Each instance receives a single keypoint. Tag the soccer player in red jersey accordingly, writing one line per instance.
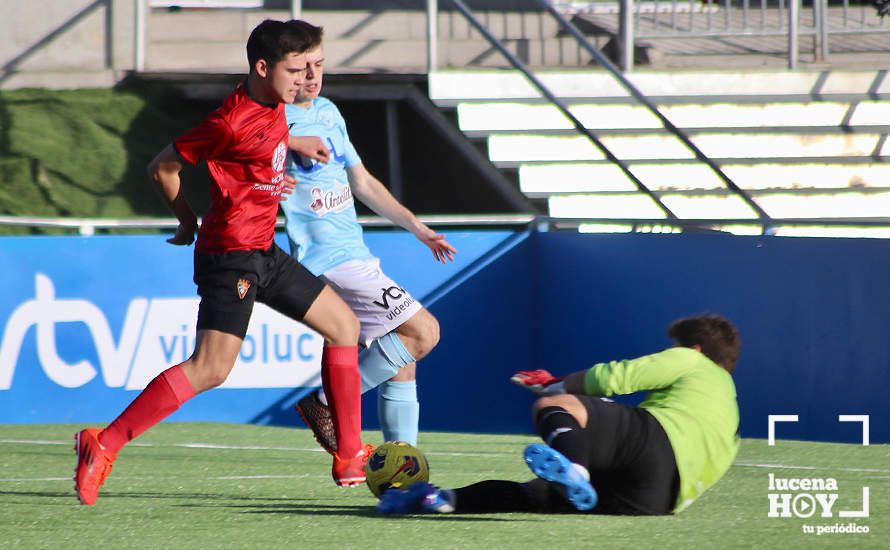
(237, 262)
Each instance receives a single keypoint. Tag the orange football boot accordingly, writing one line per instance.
(93, 465)
(350, 472)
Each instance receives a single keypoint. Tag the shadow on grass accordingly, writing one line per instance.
(39, 494)
(210, 499)
(362, 511)
(255, 505)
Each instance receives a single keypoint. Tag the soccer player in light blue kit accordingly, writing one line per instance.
(325, 236)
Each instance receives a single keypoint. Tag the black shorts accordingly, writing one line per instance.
(230, 282)
(632, 464)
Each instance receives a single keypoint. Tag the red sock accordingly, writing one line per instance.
(342, 386)
(160, 398)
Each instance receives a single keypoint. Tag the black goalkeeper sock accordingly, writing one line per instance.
(495, 496)
(559, 429)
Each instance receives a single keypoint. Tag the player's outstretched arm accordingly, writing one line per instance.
(650, 372)
(543, 383)
(377, 197)
(164, 172)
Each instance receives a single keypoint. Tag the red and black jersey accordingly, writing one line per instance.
(245, 145)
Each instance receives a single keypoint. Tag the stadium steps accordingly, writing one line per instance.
(803, 145)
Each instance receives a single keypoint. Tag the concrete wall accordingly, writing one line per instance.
(81, 43)
(65, 43)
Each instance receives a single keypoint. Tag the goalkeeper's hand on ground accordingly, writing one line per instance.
(883, 7)
(539, 381)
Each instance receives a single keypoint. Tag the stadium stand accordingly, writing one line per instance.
(803, 144)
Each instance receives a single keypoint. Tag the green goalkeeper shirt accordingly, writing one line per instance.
(692, 398)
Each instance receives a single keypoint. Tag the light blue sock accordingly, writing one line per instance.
(382, 360)
(398, 410)
(378, 363)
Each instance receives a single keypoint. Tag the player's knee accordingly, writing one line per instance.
(550, 401)
(216, 377)
(205, 375)
(345, 331)
(406, 374)
(567, 402)
(428, 337)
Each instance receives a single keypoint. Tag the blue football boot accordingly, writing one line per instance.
(419, 498)
(551, 465)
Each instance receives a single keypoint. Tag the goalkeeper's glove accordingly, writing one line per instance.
(540, 381)
(883, 7)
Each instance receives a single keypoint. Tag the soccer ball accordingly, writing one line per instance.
(395, 464)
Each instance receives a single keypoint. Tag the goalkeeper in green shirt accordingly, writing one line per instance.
(608, 458)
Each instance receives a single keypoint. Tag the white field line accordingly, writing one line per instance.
(219, 478)
(230, 447)
(36, 442)
(184, 445)
(201, 446)
(797, 467)
(277, 476)
(19, 479)
(239, 447)
(743, 464)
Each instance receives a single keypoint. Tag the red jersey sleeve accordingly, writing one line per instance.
(206, 141)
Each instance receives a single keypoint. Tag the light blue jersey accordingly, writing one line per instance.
(321, 222)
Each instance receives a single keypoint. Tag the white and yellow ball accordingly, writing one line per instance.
(395, 464)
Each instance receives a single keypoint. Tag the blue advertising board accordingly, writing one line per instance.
(88, 321)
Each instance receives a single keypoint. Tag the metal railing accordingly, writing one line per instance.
(94, 226)
(140, 15)
(745, 20)
(731, 19)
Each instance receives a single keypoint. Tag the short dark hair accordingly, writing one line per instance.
(273, 40)
(717, 337)
(315, 33)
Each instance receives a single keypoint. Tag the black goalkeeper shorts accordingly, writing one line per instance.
(230, 282)
(632, 464)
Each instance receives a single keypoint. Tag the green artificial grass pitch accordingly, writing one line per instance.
(193, 485)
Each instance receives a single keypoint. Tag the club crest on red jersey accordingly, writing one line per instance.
(242, 286)
(279, 156)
